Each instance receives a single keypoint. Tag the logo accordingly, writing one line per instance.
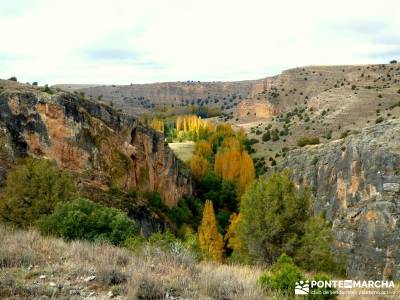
(302, 288)
(334, 287)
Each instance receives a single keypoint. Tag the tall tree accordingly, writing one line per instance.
(210, 240)
(273, 214)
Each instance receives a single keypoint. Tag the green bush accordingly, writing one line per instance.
(32, 189)
(275, 135)
(282, 276)
(84, 219)
(266, 136)
(379, 120)
(307, 141)
(162, 240)
(315, 254)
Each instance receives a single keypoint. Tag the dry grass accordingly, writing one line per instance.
(26, 257)
(184, 150)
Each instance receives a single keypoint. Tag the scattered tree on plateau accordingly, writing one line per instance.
(210, 240)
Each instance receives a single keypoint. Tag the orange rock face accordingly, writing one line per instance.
(256, 109)
(105, 148)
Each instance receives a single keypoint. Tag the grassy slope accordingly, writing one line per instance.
(25, 257)
(183, 150)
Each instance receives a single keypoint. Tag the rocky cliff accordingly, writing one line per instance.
(138, 98)
(253, 110)
(104, 148)
(356, 182)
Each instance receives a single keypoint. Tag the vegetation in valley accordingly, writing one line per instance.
(234, 215)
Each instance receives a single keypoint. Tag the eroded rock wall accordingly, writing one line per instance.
(356, 182)
(106, 148)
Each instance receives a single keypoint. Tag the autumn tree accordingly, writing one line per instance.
(199, 166)
(157, 124)
(203, 148)
(234, 165)
(210, 240)
(192, 127)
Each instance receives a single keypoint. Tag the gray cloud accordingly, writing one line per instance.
(385, 55)
(112, 54)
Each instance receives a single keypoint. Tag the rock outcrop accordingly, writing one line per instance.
(103, 147)
(256, 110)
(356, 182)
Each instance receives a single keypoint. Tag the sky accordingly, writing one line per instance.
(143, 41)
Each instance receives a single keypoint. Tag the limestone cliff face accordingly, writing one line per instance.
(103, 147)
(356, 182)
(256, 110)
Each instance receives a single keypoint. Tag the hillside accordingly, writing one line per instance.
(138, 98)
(324, 102)
(34, 267)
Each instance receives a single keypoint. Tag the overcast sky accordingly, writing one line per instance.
(139, 41)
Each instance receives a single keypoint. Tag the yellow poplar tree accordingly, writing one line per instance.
(203, 148)
(157, 124)
(210, 240)
(234, 165)
(234, 242)
(199, 166)
(247, 172)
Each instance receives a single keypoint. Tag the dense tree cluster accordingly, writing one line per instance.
(33, 189)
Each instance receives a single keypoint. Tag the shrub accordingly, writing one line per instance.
(12, 78)
(33, 189)
(345, 134)
(307, 141)
(266, 136)
(84, 219)
(275, 135)
(47, 89)
(379, 120)
(282, 276)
